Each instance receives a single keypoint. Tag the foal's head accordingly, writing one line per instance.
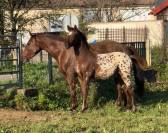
(31, 49)
(75, 37)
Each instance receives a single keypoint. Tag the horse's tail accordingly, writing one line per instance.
(139, 80)
(139, 65)
(142, 63)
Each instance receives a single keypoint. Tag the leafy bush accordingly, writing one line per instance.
(55, 96)
(160, 63)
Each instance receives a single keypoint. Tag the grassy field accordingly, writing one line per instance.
(49, 111)
(107, 119)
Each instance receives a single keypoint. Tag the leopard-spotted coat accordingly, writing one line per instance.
(109, 63)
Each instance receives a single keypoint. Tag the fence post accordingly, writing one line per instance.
(106, 34)
(41, 56)
(50, 75)
(20, 64)
(124, 36)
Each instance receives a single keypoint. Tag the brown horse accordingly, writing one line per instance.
(90, 65)
(55, 45)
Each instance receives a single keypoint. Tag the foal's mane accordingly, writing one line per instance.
(83, 36)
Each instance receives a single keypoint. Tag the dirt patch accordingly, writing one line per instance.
(15, 115)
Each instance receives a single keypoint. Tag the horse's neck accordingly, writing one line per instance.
(54, 48)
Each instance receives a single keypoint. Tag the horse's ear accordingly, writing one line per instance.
(30, 33)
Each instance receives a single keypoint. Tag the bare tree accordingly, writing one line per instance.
(15, 13)
(111, 10)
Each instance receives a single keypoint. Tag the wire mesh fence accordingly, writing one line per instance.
(135, 37)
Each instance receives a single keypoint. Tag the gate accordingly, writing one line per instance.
(135, 37)
(10, 65)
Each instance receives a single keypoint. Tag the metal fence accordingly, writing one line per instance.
(10, 65)
(135, 37)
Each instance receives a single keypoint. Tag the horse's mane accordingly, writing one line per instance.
(52, 35)
(46, 33)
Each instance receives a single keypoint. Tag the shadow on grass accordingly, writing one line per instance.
(105, 92)
(154, 97)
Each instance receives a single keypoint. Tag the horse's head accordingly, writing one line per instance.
(31, 49)
(75, 37)
(150, 75)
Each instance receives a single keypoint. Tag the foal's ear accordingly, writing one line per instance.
(69, 28)
(75, 27)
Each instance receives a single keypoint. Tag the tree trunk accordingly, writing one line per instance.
(1, 21)
(13, 26)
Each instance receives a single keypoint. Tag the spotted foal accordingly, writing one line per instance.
(108, 64)
(101, 66)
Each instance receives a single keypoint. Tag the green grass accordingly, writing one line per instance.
(103, 120)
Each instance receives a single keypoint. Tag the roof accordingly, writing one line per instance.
(162, 6)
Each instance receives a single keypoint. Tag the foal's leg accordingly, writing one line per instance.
(128, 99)
(129, 91)
(72, 87)
(74, 104)
(118, 89)
(119, 95)
(84, 88)
(132, 95)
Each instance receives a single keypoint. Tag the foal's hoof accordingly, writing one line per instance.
(117, 103)
(73, 109)
(128, 107)
(84, 109)
(134, 109)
